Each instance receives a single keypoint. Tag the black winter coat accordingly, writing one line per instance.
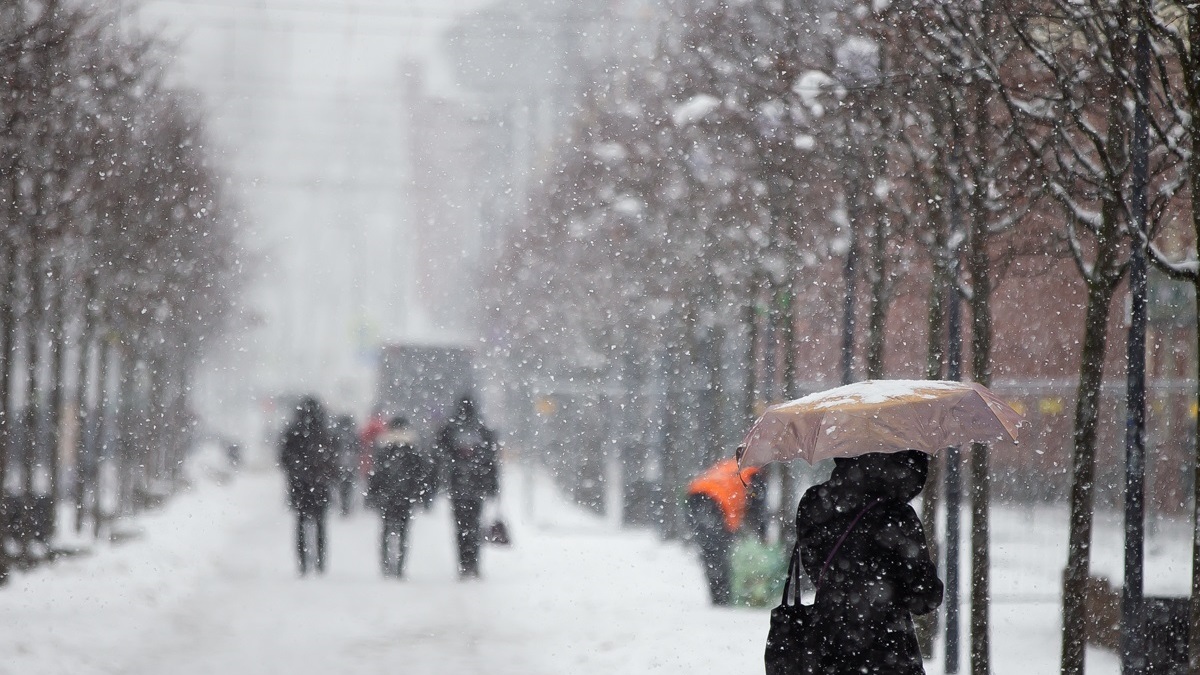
(309, 459)
(467, 456)
(882, 573)
(401, 473)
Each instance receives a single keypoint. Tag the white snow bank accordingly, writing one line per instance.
(84, 615)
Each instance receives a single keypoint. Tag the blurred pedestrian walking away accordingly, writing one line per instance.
(307, 456)
(347, 451)
(721, 502)
(466, 451)
(862, 545)
(401, 476)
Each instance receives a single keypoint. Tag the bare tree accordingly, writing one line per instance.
(1072, 111)
(106, 192)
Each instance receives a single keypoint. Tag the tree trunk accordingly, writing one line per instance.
(714, 396)
(150, 424)
(1102, 284)
(1087, 411)
(1192, 85)
(31, 447)
(105, 431)
(7, 346)
(126, 478)
(672, 443)
(850, 278)
(83, 448)
(877, 274)
(788, 498)
(878, 313)
(927, 624)
(750, 395)
(179, 433)
(57, 321)
(185, 426)
(1194, 604)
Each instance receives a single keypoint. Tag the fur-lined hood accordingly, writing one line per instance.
(403, 436)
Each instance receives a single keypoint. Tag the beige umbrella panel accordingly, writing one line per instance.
(879, 416)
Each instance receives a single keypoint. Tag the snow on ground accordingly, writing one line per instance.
(211, 587)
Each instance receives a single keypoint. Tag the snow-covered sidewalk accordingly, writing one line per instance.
(211, 587)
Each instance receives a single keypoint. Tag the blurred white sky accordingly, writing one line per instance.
(305, 108)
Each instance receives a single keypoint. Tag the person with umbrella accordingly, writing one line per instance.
(857, 537)
(880, 573)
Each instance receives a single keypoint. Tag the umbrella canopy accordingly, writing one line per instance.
(879, 416)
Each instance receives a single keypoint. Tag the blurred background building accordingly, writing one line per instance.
(381, 154)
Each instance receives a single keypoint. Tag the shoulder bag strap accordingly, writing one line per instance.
(792, 577)
(842, 539)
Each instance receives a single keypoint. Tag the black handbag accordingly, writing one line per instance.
(795, 643)
(497, 533)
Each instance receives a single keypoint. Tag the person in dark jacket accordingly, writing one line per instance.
(401, 476)
(307, 457)
(466, 451)
(882, 573)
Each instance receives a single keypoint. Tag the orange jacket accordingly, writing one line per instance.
(727, 487)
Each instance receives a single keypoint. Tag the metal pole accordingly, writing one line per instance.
(953, 481)
(1133, 651)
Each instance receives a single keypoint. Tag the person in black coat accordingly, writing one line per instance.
(466, 451)
(401, 476)
(882, 573)
(308, 458)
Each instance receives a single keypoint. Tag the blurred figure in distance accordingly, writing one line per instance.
(401, 477)
(466, 452)
(307, 457)
(723, 501)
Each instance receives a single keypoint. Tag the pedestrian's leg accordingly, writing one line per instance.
(473, 537)
(723, 574)
(385, 558)
(301, 549)
(709, 558)
(319, 518)
(401, 539)
(460, 532)
(344, 494)
(466, 520)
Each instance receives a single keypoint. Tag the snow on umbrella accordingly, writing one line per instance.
(879, 416)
